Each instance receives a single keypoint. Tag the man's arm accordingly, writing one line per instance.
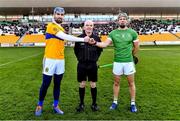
(99, 49)
(67, 37)
(101, 44)
(135, 46)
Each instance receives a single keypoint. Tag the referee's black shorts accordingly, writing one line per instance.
(87, 71)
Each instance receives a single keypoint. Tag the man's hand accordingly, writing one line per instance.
(135, 59)
(86, 39)
(91, 41)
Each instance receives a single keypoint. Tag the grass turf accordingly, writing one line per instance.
(157, 84)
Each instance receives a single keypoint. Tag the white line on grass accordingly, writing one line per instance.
(27, 57)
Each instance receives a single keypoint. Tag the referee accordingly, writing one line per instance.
(87, 56)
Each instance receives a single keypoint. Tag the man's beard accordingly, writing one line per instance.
(59, 20)
(122, 26)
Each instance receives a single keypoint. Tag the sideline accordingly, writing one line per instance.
(24, 58)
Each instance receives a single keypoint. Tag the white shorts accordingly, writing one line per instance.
(126, 68)
(53, 66)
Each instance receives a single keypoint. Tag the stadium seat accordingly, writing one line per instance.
(9, 39)
(35, 38)
(158, 37)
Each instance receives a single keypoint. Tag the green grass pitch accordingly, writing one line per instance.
(157, 84)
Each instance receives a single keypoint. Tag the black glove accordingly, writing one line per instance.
(135, 59)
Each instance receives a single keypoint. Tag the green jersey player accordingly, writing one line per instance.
(125, 43)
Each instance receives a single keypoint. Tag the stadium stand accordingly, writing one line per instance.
(158, 37)
(148, 30)
(34, 38)
(178, 34)
(9, 39)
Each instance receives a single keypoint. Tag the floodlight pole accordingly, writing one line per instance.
(32, 11)
(177, 17)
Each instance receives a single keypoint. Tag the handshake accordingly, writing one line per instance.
(89, 40)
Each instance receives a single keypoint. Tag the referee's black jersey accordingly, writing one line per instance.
(86, 52)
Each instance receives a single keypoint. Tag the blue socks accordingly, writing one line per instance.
(44, 87)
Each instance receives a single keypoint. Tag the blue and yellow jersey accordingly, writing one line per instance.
(54, 46)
